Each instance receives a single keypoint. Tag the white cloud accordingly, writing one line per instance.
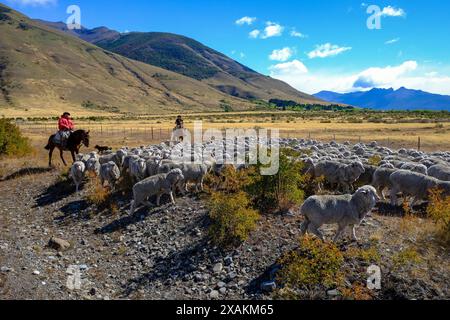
(392, 41)
(327, 50)
(297, 34)
(272, 30)
(375, 77)
(288, 69)
(392, 12)
(254, 34)
(34, 3)
(245, 20)
(407, 74)
(282, 54)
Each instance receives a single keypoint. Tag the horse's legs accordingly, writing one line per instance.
(61, 153)
(73, 155)
(50, 155)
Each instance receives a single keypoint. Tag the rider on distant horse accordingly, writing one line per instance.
(65, 127)
(179, 123)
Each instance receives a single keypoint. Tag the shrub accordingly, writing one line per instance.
(12, 142)
(281, 191)
(314, 263)
(96, 193)
(439, 211)
(232, 218)
(358, 292)
(375, 160)
(405, 257)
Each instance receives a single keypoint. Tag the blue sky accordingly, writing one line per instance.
(313, 45)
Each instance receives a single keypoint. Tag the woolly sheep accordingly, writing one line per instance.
(439, 171)
(415, 167)
(77, 173)
(415, 185)
(193, 173)
(381, 180)
(109, 172)
(344, 210)
(93, 165)
(337, 173)
(156, 185)
(138, 169)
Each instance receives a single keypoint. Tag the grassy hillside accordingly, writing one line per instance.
(193, 59)
(44, 71)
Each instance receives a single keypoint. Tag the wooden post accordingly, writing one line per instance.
(153, 137)
(419, 144)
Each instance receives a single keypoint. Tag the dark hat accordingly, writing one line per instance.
(66, 114)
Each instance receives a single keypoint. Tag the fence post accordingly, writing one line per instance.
(419, 144)
(152, 135)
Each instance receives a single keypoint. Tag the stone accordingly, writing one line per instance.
(268, 286)
(333, 293)
(228, 261)
(36, 273)
(223, 290)
(218, 268)
(58, 244)
(214, 294)
(221, 284)
(5, 269)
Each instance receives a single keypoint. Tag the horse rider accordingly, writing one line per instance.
(65, 127)
(179, 123)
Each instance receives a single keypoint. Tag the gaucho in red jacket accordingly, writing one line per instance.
(65, 127)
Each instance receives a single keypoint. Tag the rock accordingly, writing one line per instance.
(228, 261)
(6, 269)
(58, 244)
(218, 268)
(268, 286)
(333, 293)
(214, 294)
(36, 273)
(231, 276)
(221, 284)
(223, 290)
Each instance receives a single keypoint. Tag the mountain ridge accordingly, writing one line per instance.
(390, 99)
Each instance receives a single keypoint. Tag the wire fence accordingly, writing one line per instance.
(147, 134)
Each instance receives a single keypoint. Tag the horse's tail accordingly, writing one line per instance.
(48, 147)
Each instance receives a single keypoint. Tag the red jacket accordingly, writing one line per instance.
(65, 124)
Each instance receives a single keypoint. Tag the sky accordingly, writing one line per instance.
(336, 45)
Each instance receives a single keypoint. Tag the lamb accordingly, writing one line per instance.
(344, 210)
(109, 172)
(138, 170)
(439, 171)
(156, 185)
(77, 173)
(381, 180)
(415, 185)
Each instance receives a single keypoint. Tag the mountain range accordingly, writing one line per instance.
(389, 99)
(46, 69)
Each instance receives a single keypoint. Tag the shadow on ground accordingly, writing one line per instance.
(55, 193)
(27, 172)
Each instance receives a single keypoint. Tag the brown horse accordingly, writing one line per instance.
(76, 139)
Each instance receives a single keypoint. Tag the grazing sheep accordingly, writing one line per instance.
(193, 173)
(415, 167)
(109, 172)
(415, 185)
(367, 177)
(439, 171)
(152, 167)
(77, 173)
(381, 180)
(344, 210)
(156, 185)
(93, 165)
(338, 173)
(138, 169)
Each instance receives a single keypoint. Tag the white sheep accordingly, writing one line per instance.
(109, 172)
(415, 185)
(344, 210)
(381, 180)
(93, 165)
(156, 185)
(338, 173)
(138, 169)
(77, 173)
(440, 171)
(193, 173)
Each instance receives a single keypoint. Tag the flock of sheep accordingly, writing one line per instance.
(155, 171)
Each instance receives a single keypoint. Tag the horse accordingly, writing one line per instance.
(74, 142)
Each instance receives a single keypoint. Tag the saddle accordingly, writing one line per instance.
(61, 138)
